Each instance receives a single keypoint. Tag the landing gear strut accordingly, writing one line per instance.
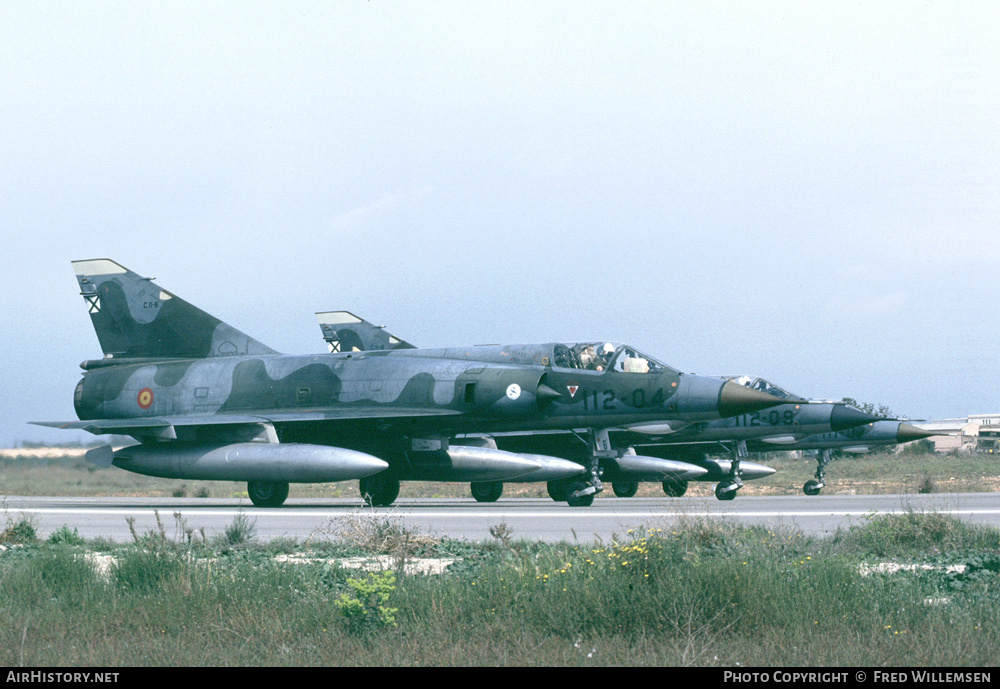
(581, 492)
(726, 489)
(813, 486)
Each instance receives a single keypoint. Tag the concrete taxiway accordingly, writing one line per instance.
(463, 518)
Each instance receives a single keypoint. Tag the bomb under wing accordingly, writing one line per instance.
(207, 400)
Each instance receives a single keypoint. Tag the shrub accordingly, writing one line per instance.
(364, 607)
(242, 531)
(21, 531)
(63, 536)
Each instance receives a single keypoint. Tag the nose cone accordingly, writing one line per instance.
(905, 433)
(843, 417)
(736, 399)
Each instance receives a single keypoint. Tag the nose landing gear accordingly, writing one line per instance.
(813, 486)
(726, 489)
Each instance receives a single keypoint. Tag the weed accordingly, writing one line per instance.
(180, 492)
(63, 572)
(183, 531)
(372, 533)
(102, 544)
(150, 539)
(142, 570)
(503, 533)
(63, 535)
(926, 485)
(19, 531)
(283, 545)
(241, 532)
(365, 606)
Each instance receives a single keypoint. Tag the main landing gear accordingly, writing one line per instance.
(379, 490)
(486, 491)
(726, 489)
(625, 489)
(813, 486)
(674, 488)
(575, 492)
(267, 493)
(580, 491)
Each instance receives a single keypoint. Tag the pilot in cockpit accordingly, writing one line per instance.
(588, 358)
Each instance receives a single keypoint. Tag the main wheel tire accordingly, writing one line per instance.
(812, 487)
(486, 491)
(674, 488)
(267, 493)
(625, 489)
(583, 500)
(379, 490)
(722, 494)
(557, 490)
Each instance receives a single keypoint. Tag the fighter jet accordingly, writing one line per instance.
(854, 440)
(207, 401)
(683, 445)
(774, 428)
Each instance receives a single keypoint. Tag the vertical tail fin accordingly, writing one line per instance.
(134, 318)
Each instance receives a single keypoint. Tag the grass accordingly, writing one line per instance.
(700, 593)
(876, 473)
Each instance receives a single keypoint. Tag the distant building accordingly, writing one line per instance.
(974, 433)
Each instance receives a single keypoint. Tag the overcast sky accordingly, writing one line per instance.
(808, 192)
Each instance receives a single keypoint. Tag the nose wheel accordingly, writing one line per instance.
(813, 486)
(580, 494)
(726, 490)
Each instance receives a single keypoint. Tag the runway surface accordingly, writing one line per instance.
(463, 518)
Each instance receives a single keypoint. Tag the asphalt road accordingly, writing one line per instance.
(531, 519)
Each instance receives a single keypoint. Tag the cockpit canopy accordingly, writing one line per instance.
(761, 385)
(605, 356)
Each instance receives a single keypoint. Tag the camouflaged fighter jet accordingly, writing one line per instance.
(206, 401)
(684, 444)
(774, 428)
(854, 440)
